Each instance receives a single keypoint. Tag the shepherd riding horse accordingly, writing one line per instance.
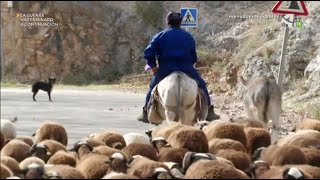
(177, 98)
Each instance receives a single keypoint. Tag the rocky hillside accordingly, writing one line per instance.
(98, 42)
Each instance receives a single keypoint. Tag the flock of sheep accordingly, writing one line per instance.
(212, 150)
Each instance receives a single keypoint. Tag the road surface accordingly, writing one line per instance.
(81, 112)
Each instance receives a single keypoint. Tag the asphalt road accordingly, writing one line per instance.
(81, 112)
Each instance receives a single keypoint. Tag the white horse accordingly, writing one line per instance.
(177, 98)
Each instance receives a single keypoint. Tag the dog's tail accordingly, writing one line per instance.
(266, 102)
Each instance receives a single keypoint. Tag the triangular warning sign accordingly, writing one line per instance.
(290, 7)
(188, 18)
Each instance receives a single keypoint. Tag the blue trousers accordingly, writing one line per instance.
(193, 74)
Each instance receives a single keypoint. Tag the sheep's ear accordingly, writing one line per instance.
(130, 161)
(33, 134)
(187, 160)
(212, 157)
(117, 145)
(7, 141)
(149, 133)
(32, 149)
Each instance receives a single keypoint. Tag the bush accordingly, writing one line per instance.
(151, 12)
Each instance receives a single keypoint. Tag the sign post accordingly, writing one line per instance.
(189, 17)
(291, 9)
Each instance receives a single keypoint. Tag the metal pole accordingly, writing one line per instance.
(2, 57)
(12, 42)
(283, 56)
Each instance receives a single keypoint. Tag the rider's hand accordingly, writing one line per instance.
(154, 70)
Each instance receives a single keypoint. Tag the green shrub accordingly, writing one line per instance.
(151, 12)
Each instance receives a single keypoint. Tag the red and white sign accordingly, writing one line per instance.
(290, 7)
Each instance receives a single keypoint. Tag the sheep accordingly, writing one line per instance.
(143, 167)
(5, 171)
(51, 130)
(33, 171)
(93, 166)
(312, 156)
(281, 173)
(2, 141)
(93, 142)
(240, 160)
(226, 130)
(63, 158)
(313, 171)
(192, 157)
(53, 146)
(247, 122)
(41, 151)
(12, 164)
(65, 171)
(111, 139)
(256, 169)
(189, 138)
(31, 160)
(165, 131)
(16, 149)
(116, 175)
(280, 155)
(135, 138)
(8, 129)
(146, 150)
(302, 138)
(26, 139)
(256, 138)
(213, 169)
(217, 144)
(308, 123)
(105, 150)
(175, 169)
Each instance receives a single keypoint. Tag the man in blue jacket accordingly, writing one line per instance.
(175, 50)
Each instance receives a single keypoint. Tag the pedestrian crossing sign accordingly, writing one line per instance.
(190, 17)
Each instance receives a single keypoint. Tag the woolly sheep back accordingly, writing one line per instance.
(31, 160)
(189, 138)
(136, 138)
(93, 167)
(309, 123)
(145, 150)
(16, 149)
(312, 156)
(111, 139)
(53, 146)
(105, 150)
(288, 155)
(52, 130)
(166, 131)
(226, 130)
(5, 172)
(65, 171)
(256, 138)
(240, 159)
(250, 123)
(213, 169)
(8, 129)
(172, 155)
(62, 158)
(27, 140)
(11, 163)
(217, 144)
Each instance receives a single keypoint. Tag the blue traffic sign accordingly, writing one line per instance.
(190, 17)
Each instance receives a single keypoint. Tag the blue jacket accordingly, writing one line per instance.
(174, 48)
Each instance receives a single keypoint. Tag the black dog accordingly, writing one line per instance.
(43, 86)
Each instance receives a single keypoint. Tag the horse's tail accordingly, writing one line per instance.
(179, 99)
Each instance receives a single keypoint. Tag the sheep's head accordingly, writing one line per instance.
(52, 175)
(149, 133)
(191, 157)
(118, 162)
(161, 173)
(203, 124)
(34, 171)
(159, 143)
(257, 153)
(41, 151)
(175, 169)
(257, 168)
(79, 144)
(293, 173)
